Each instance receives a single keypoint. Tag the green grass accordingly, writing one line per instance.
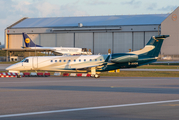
(159, 67)
(142, 74)
(2, 53)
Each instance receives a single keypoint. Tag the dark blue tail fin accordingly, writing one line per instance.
(28, 42)
(156, 41)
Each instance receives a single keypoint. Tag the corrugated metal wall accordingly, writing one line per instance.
(170, 26)
(65, 39)
(84, 40)
(122, 42)
(102, 42)
(15, 41)
(118, 42)
(48, 40)
(138, 40)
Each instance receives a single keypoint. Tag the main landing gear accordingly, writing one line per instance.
(93, 73)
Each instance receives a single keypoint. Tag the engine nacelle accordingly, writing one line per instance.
(121, 58)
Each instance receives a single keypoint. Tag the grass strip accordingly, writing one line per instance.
(159, 67)
(142, 74)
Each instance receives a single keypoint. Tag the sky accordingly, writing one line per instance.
(13, 10)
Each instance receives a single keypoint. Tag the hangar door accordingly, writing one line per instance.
(84, 40)
(65, 40)
(15, 41)
(48, 40)
(102, 42)
(122, 42)
(138, 40)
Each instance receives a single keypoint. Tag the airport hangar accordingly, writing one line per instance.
(100, 34)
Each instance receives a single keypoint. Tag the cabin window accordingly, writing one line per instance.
(79, 60)
(69, 60)
(95, 59)
(90, 59)
(64, 60)
(51, 60)
(100, 59)
(84, 60)
(60, 60)
(74, 60)
(55, 60)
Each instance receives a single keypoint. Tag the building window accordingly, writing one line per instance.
(60, 61)
(95, 59)
(69, 60)
(84, 60)
(74, 60)
(79, 60)
(55, 60)
(64, 60)
(51, 60)
(90, 59)
(100, 59)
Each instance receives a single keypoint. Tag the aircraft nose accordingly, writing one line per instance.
(8, 68)
(11, 67)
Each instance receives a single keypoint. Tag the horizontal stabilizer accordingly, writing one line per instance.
(161, 36)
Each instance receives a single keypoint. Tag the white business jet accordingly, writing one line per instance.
(93, 63)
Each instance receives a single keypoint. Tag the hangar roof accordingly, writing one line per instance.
(90, 21)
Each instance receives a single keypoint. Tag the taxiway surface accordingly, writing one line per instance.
(75, 98)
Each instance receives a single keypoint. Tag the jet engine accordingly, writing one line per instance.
(122, 58)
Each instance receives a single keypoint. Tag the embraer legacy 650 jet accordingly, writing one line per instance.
(93, 63)
(57, 50)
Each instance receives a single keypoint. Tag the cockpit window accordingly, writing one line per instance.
(25, 60)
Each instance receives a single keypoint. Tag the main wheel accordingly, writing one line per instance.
(18, 76)
(96, 76)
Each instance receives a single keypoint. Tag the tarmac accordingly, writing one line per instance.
(4, 66)
(79, 98)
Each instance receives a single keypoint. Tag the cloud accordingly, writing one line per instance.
(155, 7)
(13, 10)
(23, 7)
(97, 2)
(71, 9)
(168, 8)
(152, 6)
(132, 2)
(5, 8)
(46, 9)
(135, 4)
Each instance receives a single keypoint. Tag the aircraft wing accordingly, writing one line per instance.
(85, 65)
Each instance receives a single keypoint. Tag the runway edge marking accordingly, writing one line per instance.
(88, 108)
